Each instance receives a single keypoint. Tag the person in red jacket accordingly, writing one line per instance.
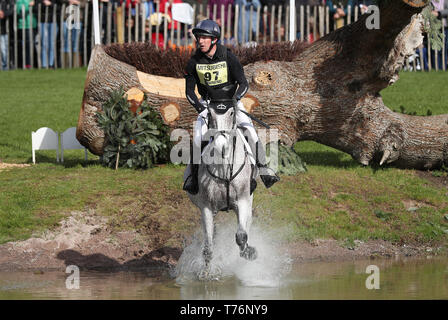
(163, 3)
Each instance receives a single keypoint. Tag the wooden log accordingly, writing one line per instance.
(312, 96)
(160, 91)
(101, 80)
(135, 97)
(170, 112)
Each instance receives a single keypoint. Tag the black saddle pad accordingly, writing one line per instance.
(221, 106)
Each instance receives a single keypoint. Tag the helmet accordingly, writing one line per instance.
(207, 28)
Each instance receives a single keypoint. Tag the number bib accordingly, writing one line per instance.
(212, 74)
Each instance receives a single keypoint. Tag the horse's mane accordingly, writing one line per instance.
(146, 57)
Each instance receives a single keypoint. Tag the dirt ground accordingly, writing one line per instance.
(83, 239)
(6, 166)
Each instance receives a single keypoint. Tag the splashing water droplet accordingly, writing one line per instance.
(268, 270)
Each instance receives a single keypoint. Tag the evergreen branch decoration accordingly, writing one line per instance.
(433, 27)
(133, 140)
(289, 162)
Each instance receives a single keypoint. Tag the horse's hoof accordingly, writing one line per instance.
(207, 254)
(209, 274)
(249, 253)
(204, 275)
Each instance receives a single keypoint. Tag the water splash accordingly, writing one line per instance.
(270, 267)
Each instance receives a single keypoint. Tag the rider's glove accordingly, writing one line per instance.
(200, 108)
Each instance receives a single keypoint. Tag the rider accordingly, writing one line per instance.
(216, 71)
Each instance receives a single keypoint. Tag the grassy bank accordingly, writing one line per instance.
(337, 198)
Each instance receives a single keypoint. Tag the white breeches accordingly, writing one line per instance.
(242, 120)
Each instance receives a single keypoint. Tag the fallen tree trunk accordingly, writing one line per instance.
(106, 74)
(329, 93)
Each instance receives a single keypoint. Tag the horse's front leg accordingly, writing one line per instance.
(208, 228)
(244, 213)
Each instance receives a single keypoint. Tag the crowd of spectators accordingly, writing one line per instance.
(73, 28)
(440, 10)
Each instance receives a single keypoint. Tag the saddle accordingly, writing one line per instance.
(221, 106)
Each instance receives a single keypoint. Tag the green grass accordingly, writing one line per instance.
(419, 92)
(32, 99)
(337, 198)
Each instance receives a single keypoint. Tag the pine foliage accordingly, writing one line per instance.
(433, 27)
(139, 140)
(289, 162)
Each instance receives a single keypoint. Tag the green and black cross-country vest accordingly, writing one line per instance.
(214, 76)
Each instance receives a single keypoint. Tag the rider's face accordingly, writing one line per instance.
(204, 43)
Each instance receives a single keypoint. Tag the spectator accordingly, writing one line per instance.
(158, 19)
(6, 11)
(75, 26)
(149, 8)
(444, 16)
(245, 6)
(338, 12)
(163, 3)
(220, 20)
(438, 7)
(441, 12)
(363, 5)
(26, 20)
(48, 30)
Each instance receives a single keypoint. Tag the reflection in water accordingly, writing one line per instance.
(232, 289)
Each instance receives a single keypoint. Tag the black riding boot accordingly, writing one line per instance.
(191, 184)
(267, 175)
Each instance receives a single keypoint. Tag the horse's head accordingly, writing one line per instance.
(222, 122)
(222, 116)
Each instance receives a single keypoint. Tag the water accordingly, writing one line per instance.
(273, 275)
(267, 270)
(399, 279)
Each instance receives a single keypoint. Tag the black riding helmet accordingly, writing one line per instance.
(207, 28)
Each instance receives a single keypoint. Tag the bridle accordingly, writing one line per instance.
(232, 176)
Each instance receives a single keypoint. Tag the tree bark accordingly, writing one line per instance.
(329, 93)
(332, 94)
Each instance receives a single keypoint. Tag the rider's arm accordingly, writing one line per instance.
(190, 84)
(238, 74)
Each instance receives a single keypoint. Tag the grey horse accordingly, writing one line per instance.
(224, 179)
